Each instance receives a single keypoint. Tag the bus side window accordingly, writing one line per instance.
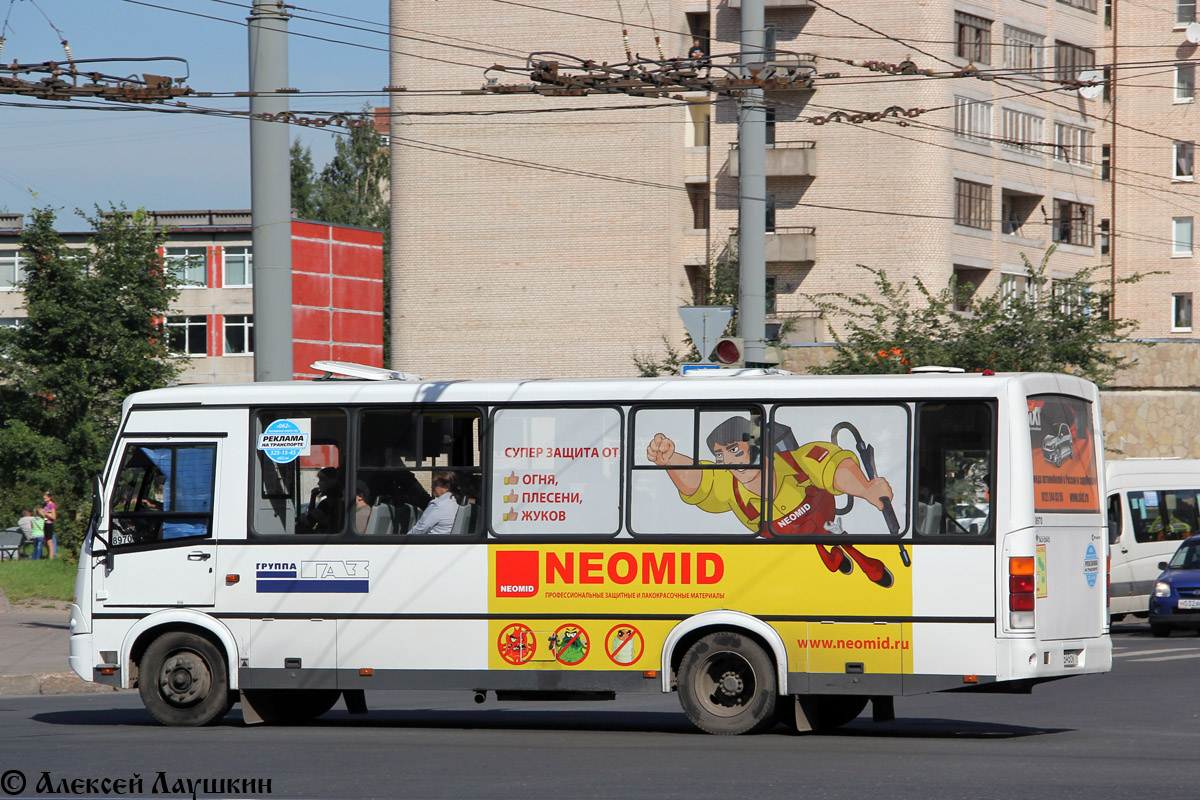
(955, 452)
(302, 488)
(163, 492)
(400, 452)
(1114, 518)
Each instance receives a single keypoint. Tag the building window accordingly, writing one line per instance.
(771, 296)
(1185, 83)
(1085, 5)
(973, 37)
(1022, 49)
(239, 334)
(972, 204)
(187, 266)
(1108, 13)
(1015, 211)
(1181, 236)
(972, 120)
(1072, 223)
(1070, 296)
(699, 115)
(1181, 312)
(1070, 60)
(769, 114)
(10, 322)
(1185, 12)
(1072, 145)
(1021, 132)
(967, 281)
(239, 266)
(11, 272)
(1105, 229)
(698, 196)
(770, 212)
(1012, 288)
(187, 336)
(1185, 161)
(1105, 162)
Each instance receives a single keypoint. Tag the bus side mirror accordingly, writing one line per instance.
(1163, 566)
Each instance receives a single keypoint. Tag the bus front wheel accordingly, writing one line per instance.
(727, 685)
(182, 680)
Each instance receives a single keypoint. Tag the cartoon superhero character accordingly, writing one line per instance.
(807, 478)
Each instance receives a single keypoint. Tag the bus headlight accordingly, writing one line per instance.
(1162, 589)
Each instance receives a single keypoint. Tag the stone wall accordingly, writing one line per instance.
(1151, 408)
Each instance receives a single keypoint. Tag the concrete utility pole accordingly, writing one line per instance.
(270, 193)
(752, 193)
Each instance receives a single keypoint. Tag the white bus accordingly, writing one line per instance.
(770, 547)
(1152, 507)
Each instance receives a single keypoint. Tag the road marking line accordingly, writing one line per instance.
(1156, 652)
(1165, 658)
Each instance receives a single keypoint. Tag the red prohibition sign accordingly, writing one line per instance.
(624, 645)
(572, 648)
(516, 644)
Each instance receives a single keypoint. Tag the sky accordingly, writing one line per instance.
(67, 157)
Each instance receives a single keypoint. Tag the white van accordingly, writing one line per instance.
(1152, 506)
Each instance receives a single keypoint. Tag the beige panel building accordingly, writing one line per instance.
(541, 236)
(1152, 198)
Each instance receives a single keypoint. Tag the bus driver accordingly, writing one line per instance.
(807, 478)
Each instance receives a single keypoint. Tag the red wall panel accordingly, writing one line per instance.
(358, 328)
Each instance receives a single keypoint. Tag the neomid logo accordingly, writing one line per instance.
(518, 571)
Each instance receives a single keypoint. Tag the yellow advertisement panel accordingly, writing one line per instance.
(611, 606)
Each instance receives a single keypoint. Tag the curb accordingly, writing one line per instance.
(49, 685)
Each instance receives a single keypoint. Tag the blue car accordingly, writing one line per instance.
(1175, 602)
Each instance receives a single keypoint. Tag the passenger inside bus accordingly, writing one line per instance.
(324, 513)
(440, 514)
(362, 507)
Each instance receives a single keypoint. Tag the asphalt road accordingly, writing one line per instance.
(1132, 733)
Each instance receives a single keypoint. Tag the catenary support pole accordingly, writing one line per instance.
(752, 194)
(270, 193)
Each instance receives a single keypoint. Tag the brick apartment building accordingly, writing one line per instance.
(1148, 162)
(574, 252)
(337, 291)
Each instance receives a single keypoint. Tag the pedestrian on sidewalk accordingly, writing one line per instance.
(25, 523)
(50, 512)
(37, 535)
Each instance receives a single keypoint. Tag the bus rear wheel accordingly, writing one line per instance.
(727, 685)
(183, 681)
(290, 706)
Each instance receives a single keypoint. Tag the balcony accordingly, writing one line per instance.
(792, 244)
(776, 3)
(784, 160)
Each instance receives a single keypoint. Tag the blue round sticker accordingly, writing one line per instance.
(283, 441)
(1091, 565)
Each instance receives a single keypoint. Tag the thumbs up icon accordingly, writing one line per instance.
(510, 515)
(510, 498)
(512, 480)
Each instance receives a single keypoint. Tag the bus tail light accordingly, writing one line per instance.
(1020, 592)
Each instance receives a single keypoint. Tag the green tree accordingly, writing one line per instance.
(93, 335)
(1060, 326)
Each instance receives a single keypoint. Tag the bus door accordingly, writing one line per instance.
(162, 499)
(1070, 535)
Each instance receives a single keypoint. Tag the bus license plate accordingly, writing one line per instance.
(1189, 603)
(1071, 658)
